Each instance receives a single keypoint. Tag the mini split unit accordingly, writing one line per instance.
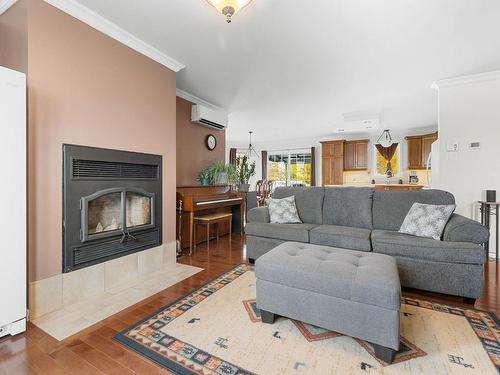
(360, 121)
(211, 118)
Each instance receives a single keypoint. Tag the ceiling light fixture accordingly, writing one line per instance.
(229, 7)
(385, 138)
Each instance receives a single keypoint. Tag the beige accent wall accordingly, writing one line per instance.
(192, 153)
(14, 37)
(85, 88)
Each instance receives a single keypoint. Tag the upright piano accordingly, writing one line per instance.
(199, 200)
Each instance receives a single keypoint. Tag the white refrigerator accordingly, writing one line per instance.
(13, 283)
(433, 166)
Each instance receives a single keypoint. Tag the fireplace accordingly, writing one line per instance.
(111, 204)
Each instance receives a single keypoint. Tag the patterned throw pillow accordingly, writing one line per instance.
(283, 211)
(427, 220)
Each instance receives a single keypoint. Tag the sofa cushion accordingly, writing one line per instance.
(405, 245)
(283, 211)
(348, 206)
(259, 215)
(287, 232)
(427, 220)
(357, 276)
(309, 201)
(390, 207)
(339, 236)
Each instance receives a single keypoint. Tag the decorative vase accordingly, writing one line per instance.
(244, 188)
(204, 181)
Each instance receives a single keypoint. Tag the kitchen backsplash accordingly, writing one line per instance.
(365, 178)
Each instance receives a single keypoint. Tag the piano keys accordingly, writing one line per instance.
(195, 200)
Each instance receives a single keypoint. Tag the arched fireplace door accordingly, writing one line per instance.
(116, 211)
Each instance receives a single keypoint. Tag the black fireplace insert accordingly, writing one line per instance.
(112, 204)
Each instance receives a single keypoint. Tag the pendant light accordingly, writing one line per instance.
(385, 138)
(251, 149)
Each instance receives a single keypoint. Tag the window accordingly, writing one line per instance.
(381, 163)
(289, 169)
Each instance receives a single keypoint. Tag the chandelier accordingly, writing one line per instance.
(229, 7)
(385, 138)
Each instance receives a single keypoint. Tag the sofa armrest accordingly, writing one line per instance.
(462, 229)
(258, 215)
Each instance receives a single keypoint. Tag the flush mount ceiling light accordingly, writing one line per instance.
(385, 138)
(229, 7)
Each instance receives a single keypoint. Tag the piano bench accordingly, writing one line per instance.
(214, 218)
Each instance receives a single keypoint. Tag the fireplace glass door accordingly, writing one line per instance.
(105, 213)
(137, 209)
(116, 211)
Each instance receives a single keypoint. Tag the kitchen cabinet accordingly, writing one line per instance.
(419, 148)
(332, 162)
(356, 155)
(427, 141)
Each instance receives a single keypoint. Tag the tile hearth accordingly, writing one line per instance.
(72, 318)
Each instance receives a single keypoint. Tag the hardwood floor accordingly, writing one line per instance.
(93, 351)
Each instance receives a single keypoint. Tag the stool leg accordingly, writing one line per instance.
(217, 230)
(230, 228)
(208, 236)
(194, 236)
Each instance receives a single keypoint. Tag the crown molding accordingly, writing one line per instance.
(463, 80)
(194, 99)
(5, 5)
(107, 27)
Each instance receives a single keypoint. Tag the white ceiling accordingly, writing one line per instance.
(289, 69)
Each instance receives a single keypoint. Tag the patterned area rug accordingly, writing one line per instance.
(216, 329)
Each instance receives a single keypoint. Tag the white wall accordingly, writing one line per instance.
(469, 111)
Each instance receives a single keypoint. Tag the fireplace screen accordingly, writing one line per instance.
(117, 210)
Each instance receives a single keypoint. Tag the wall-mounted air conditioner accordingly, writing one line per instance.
(215, 119)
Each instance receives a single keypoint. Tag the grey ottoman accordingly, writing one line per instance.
(355, 293)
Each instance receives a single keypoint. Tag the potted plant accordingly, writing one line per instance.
(244, 171)
(204, 177)
(218, 173)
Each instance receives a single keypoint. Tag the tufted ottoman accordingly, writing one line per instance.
(355, 293)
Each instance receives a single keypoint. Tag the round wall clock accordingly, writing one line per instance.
(211, 142)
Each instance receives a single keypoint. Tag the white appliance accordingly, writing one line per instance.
(13, 283)
(215, 119)
(433, 166)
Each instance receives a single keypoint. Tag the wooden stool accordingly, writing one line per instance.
(214, 218)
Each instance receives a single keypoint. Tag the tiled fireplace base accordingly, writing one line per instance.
(64, 304)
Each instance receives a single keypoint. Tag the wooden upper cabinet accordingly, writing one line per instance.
(414, 152)
(337, 148)
(349, 156)
(419, 148)
(427, 141)
(361, 149)
(356, 155)
(332, 162)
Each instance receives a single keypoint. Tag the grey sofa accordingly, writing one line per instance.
(366, 220)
